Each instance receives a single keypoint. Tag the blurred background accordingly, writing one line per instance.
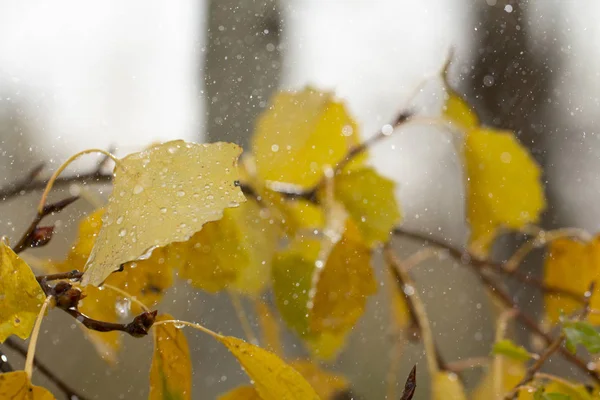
(76, 75)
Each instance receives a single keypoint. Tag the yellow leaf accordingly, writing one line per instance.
(325, 383)
(235, 251)
(241, 393)
(146, 280)
(163, 195)
(300, 135)
(447, 386)
(369, 199)
(20, 295)
(458, 111)
(269, 327)
(504, 188)
(273, 379)
(16, 386)
(512, 372)
(572, 265)
(171, 370)
(345, 282)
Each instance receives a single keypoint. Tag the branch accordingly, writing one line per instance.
(31, 183)
(478, 267)
(37, 236)
(62, 385)
(501, 268)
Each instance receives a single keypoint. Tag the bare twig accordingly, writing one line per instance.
(464, 257)
(478, 266)
(70, 393)
(31, 183)
(36, 236)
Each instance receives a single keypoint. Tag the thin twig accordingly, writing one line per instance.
(71, 393)
(464, 257)
(550, 349)
(32, 237)
(478, 267)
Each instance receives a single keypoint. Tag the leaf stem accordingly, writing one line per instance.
(60, 169)
(34, 337)
(126, 295)
(242, 317)
(419, 309)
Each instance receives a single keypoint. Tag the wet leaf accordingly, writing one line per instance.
(345, 283)
(504, 188)
(163, 195)
(241, 393)
(146, 280)
(581, 333)
(325, 383)
(411, 385)
(273, 379)
(571, 265)
(507, 348)
(369, 199)
(447, 386)
(20, 295)
(235, 251)
(16, 386)
(171, 370)
(299, 135)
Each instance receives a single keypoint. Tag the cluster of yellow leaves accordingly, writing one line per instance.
(503, 180)
(572, 265)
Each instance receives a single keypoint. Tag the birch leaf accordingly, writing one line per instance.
(162, 195)
(458, 111)
(345, 283)
(369, 199)
(171, 370)
(511, 373)
(299, 135)
(504, 188)
(273, 378)
(571, 265)
(16, 386)
(20, 295)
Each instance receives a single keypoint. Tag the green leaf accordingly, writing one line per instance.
(581, 333)
(507, 348)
